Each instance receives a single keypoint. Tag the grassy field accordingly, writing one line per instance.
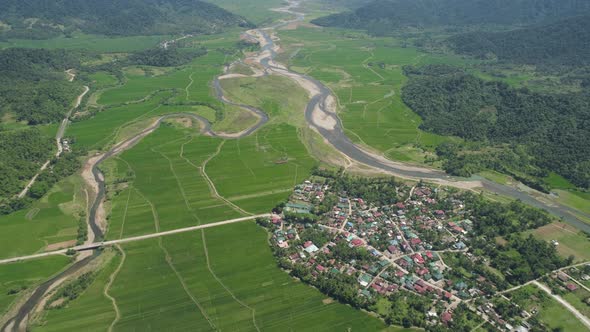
(366, 75)
(571, 240)
(224, 278)
(550, 312)
(168, 192)
(576, 199)
(256, 11)
(269, 160)
(19, 277)
(268, 94)
(103, 80)
(92, 311)
(577, 299)
(90, 42)
(51, 220)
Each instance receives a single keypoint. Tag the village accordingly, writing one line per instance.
(382, 250)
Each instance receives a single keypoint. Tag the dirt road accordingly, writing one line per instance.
(58, 136)
(583, 319)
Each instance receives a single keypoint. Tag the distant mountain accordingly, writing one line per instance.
(565, 42)
(380, 16)
(39, 19)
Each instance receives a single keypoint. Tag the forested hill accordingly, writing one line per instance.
(566, 42)
(515, 130)
(37, 19)
(381, 16)
(33, 85)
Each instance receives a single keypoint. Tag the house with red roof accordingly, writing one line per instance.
(446, 317)
(418, 259)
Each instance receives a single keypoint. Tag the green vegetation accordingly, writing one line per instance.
(382, 16)
(268, 94)
(51, 220)
(21, 154)
(165, 57)
(256, 11)
(549, 129)
(97, 43)
(70, 291)
(550, 312)
(34, 20)
(561, 43)
(269, 160)
(33, 85)
(20, 277)
(366, 76)
(237, 284)
(91, 310)
(571, 241)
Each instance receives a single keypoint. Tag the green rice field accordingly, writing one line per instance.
(366, 75)
(223, 278)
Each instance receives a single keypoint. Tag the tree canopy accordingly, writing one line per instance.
(39, 19)
(566, 42)
(554, 130)
(381, 16)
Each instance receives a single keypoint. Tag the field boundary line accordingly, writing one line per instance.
(211, 185)
(223, 285)
(108, 287)
(168, 258)
(125, 213)
(189, 85)
(135, 238)
(183, 284)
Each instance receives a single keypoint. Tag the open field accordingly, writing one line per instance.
(271, 159)
(550, 312)
(103, 80)
(233, 284)
(50, 220)
(571, 240)
(268, 93)
(577, 299)
(576, 199)
(92, 311)
(90, 42)
(256, 11)
(142, 96)
(366, 75)
(168, 192)
(19, 277)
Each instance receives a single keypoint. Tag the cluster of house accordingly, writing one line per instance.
(391, 235)
(500, 323)
(565, 281)
(66, 145)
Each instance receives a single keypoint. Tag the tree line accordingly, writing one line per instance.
(514, 131)
(112, 17)
(381, 17)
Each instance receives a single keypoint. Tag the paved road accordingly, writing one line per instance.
(134, 238)
(583, 319)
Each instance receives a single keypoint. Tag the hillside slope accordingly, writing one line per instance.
(566, 42)
(542, 132)
(380, 16)
(37, 19)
